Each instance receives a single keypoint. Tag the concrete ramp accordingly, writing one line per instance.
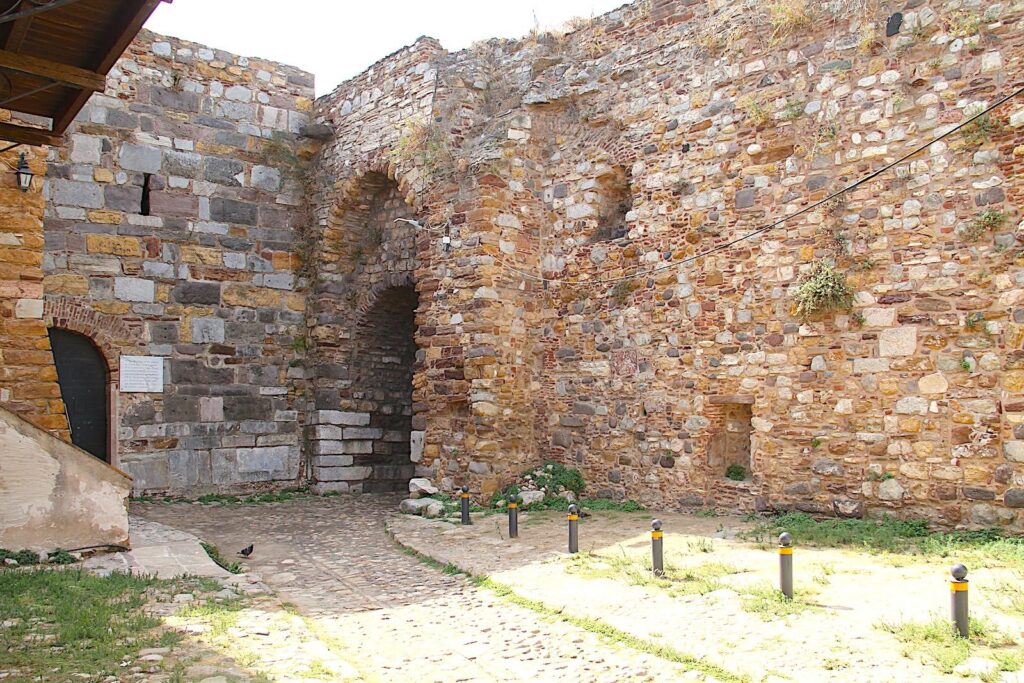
(55, 495)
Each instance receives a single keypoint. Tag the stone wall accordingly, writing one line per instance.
(528, 250)
(620, 161)
(173, 228)
(28, 378)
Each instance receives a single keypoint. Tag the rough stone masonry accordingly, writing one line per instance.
(458, 265)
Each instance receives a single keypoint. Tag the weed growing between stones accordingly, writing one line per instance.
(977, 133)
(755, 111)
(823, 289)
(215, 555)
(986, 222)
(935, 643)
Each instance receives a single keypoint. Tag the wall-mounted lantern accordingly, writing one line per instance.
(24, 174)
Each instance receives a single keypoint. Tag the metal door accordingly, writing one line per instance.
(82, 375)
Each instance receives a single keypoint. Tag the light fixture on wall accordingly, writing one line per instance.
(24, 174)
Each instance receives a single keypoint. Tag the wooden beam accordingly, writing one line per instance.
(19, 30)
(123, 34)
(54, 71)
(28, 136)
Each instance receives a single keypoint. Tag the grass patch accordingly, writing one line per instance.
(68, 622)
(910, 536)
(603, 504)
(220, 617)
(935, 643)
(215, 555)
(768, 602)
(635, 568)
(282, 496)
(608, 632)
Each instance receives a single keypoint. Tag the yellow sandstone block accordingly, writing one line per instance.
(112, 244)
(108, 217)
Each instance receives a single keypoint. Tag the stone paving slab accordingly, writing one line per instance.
(160, 551)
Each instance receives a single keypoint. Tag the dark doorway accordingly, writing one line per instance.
(82, 376)
(382, 373)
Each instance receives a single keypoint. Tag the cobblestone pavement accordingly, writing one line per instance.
(389, 615)
(734, 621)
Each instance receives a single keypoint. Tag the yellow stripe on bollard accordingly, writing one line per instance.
(513, 505)
(785, 551)
(957, 586)
(465, 495)
(573, 517)
(657, 534)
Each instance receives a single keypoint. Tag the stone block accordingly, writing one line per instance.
(356, 433)
(416, 442)
(248, 408)
(342, 473)
(897, 341)
(870, 365)
(271, 459)
(141, 158)
(183, 164)
(358, 447)
(890, 490)
(207, 330)
(266, 178)
(328, 447)
(1014, 498)
(197, 293)
(334, 460)
(181, 409)
(328, 432)
(231, 211)
(224, 172)
(127, 198)
(134, 289)
(74, 193)
(338, 417)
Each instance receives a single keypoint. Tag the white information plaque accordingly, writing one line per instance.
(142, 374)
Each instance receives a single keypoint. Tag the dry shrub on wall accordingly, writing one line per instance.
(823, 289)
(787, 17)
(424, 144)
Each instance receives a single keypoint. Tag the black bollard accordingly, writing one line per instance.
(574, 529)
(657, 550)
(465, 505)
(958, 588)
(786, 564)
(513, 517)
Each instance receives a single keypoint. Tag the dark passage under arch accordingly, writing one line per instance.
(382, 373)
(82, 376)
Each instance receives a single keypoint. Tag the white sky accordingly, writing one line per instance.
(337, 39)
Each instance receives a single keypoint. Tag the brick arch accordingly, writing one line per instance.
(369, 298)
(111, 335)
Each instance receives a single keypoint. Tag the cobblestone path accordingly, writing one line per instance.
(389, 615)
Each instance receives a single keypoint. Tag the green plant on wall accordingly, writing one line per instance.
(823, 289)
(987, 221)
(736, 472)
(755, 111)
(981, 130)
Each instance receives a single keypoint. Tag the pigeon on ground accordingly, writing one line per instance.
(246, 551)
